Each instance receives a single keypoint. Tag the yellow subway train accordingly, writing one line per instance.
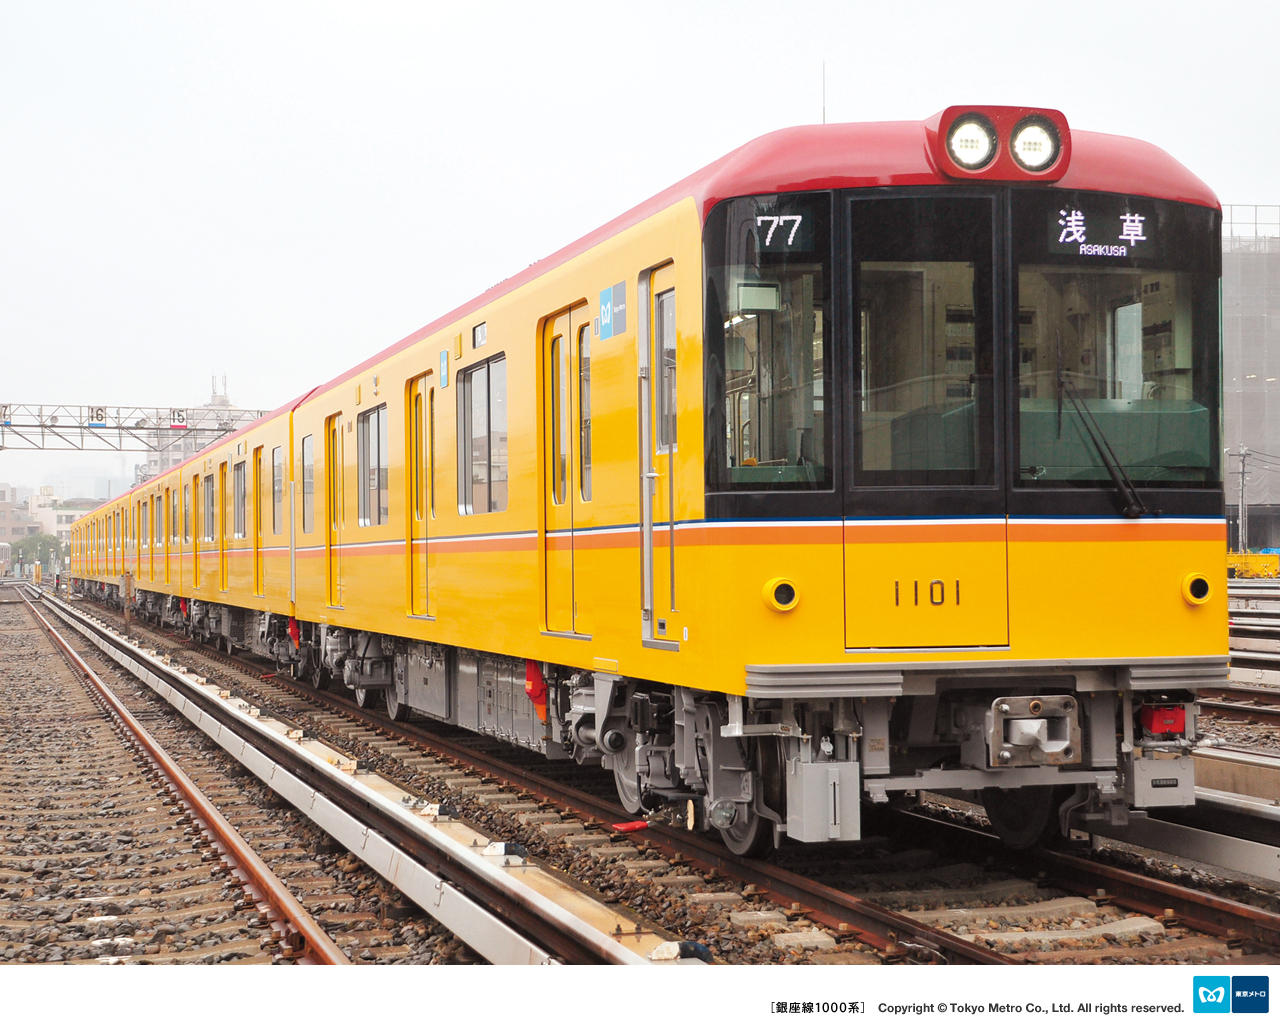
(871, 458)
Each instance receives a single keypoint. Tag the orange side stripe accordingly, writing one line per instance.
(1135, 531)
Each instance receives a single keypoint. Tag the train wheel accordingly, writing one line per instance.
(397, 710)
(364, 698)
(751, 834)
(625, 778)
(1025, 817)
(319, 676)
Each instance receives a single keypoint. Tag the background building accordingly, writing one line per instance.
(16, 520)
(1251, 369)
(175, 448)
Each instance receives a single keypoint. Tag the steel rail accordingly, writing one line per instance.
(559, 936)
(1204, 911)
(1241, 658)
(300, 931)
(886, 930)
(1259, 714)
(1214, 915)
(894, 934)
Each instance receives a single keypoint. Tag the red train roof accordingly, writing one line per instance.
(850, 156)
(834, 156)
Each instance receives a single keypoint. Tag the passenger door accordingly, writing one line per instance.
(224, 524)
(562, 460)
(659, 452)
(255, 525)
(168, 533)
(333, 491)
(419, 430)
(197, 524)
(925, 561)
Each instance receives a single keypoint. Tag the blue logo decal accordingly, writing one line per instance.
(606, 313)
(1211, 994)
(1250, 994)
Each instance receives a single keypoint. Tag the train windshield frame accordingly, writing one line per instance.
(962, 350)
(1117, 339)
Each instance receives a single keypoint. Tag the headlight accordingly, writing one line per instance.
(972, 142)
(1034, 144)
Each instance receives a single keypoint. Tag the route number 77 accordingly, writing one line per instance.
(774, 223)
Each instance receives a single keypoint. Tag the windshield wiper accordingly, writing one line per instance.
(1133, 506)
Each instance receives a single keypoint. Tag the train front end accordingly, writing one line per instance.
(963, 442)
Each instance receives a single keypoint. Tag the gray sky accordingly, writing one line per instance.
(274, 190)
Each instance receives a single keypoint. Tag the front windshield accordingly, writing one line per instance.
(768, 343)
(1116, 322)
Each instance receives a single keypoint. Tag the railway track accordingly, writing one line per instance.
(109, 851)
(377, 911)
(864, 903)
(1253, 699)
(1258, 706)
(1254, 626)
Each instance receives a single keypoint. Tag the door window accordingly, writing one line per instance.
(922, 286)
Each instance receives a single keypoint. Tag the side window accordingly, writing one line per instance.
(664, 315)
(584, 410)
(224, 504)
(209, 507)
(333, 470)
(373, 466)
(416, 455)
(186, 513)
(277, 489)
(431, 451)
(482, 438)
(239, 500)
(146, 524)
(560, 418)
(308, 483)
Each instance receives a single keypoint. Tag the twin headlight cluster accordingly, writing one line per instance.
(973, 143)
(1004, 143)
